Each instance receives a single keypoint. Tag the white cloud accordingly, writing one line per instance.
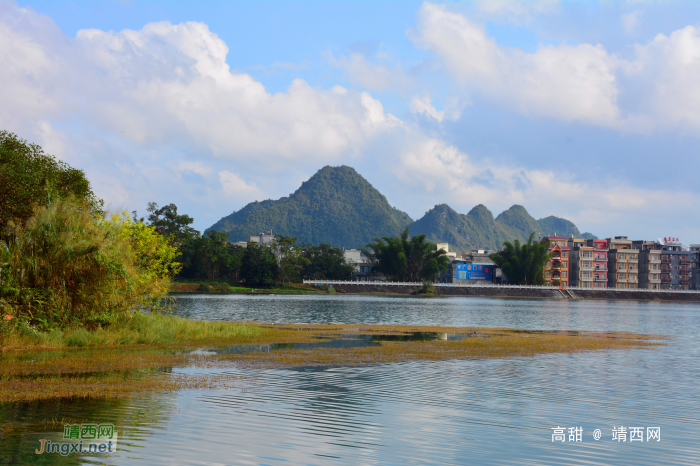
(168, 82)
(424, 104)
(194, 167)
(386, 74)
(233, 184)
(434, 167)
(573, 83)
(452, 108)
(664, 81)
(658, 89)
(630, 21)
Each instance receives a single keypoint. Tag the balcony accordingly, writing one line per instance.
(601, 279)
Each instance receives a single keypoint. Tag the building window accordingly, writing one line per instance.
(620, 277)
(565, 264)
(563, 274)
(566, 254)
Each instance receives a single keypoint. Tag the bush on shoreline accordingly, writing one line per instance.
(67, 267)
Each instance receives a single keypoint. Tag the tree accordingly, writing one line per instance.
(324, 262)
(67, 267)
(259, 266)
(30, 178)
(523, 264)
(407, 259)
(211, 257)
(291, 258)
(169, 223)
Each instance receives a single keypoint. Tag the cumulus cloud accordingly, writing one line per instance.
(165, 82)
(573, 83)
(658, 88)
(664, 81)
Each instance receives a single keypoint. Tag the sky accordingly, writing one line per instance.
(589, 111)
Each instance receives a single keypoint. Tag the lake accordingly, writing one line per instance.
(448, 412)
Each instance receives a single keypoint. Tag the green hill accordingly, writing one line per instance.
(336, 206)
(479, 230)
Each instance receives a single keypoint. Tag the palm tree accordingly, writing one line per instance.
(523, 263)
(407, 259)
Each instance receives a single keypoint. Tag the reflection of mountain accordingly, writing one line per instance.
(479, 230)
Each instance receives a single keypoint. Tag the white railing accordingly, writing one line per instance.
(490, 285)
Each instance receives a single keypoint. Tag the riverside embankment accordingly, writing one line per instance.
(512, 291)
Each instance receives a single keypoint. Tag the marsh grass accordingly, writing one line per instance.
(140, 329)
(141, 357)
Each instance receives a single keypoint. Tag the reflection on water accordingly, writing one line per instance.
(344, 341)
(447, 412)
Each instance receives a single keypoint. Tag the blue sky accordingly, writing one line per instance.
(584, 110)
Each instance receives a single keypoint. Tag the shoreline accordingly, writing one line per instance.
(111, 368)
(476, 292)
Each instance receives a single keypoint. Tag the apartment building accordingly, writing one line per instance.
(676, 263)
(580, 263)
(623, 262)
(649, 264)
(556, 271)
(600, 262)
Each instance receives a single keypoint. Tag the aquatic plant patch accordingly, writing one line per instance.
(116, 371)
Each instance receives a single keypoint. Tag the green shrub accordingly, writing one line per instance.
(67, 267)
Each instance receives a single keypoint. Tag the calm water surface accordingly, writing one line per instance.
(449, 412)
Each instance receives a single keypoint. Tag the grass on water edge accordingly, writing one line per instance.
(140, 356)
(142, 329)
(217, 286)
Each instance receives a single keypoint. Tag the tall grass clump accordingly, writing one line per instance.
(67, 266)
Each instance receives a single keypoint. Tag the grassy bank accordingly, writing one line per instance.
(215, 286)
(140, 330)
(140, 356)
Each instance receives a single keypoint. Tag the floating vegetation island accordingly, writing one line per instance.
(148, 355)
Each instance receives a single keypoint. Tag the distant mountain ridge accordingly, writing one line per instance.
(480, 230)
(338, 206)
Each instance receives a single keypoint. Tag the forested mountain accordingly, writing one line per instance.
(335, 206)
(479, 230)
(339, 207)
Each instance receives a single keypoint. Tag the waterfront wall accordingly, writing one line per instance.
(517, 292)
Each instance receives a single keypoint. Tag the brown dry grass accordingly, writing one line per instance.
(109, 372)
